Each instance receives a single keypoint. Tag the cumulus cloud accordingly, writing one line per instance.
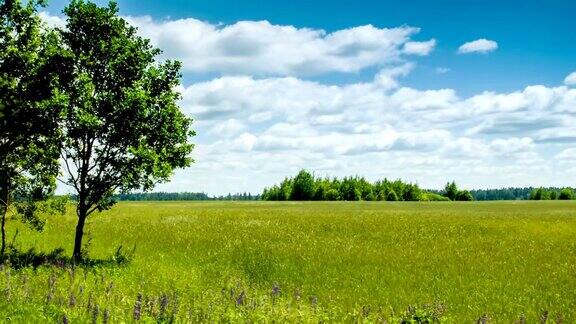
(381, 128)
(570, 79)
(419, 48)
(262, 48)
(567, 154)
(478, 46)
(261, 119)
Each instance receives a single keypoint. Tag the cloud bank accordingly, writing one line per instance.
(263, 117)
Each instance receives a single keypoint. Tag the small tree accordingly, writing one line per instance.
(332, 195)
(303, 186)
(566, 194)
(540, 194)
(29, 109)
(451, 190)
(553, 195)
(464, 195)
(392, 196)
(123, 128)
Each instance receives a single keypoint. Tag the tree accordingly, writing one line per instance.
(332, 195)
(29, 110)
(451, 190)
(566, 194)
(303, 186)
(392, 196)
(464, 195)
(553, 195)
(540, 194)
(123, 128)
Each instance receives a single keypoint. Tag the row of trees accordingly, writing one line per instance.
(184, 196)
(523, 193)
(90, 95)
(306, 186)
(552, 194)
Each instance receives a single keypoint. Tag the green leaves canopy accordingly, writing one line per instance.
(30, 106)
(123, 128)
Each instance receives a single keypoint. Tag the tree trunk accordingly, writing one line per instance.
(77, 255)
(3, 210)
(4, 193)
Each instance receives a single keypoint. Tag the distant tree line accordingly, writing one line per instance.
(358, 188)
(526, 193)
(552, 194)
(184, 196)
(306, 186)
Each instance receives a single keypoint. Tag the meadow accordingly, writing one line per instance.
(496, 262)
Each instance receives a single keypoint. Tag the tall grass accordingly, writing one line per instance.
(314, 261)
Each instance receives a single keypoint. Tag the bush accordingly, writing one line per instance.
(430, 196)
(392, 196)
(464, 195)
(566, 194)
(332, 195)
(540, 194)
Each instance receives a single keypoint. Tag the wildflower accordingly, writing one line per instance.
(275, 290)
(138, 307)
(483, 319)
(163, 304)
(544, 317)
(95, 314)
(314, 301)
(241, 299)
(72, 300)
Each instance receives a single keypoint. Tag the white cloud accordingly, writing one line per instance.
(228, 128)
(52, 21)
(262, 120)
(478, 46)
(570, 80)
(261, 48)
(420, 48)
(442, 70)
(380, 128)
(567, 154)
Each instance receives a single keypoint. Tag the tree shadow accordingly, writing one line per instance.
(31, 258)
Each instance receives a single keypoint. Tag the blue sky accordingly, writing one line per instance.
(280, 85)
(537, 39)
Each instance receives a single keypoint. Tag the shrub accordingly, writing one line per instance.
(332, 194)
(392, 196)
(430, 196)
(464, 195)
(566, 194)
(540, 194)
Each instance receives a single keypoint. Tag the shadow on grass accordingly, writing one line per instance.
(17, 259)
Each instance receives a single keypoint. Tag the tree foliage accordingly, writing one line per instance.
(452, 192)
(123, 129)
(305, 186)
(566, 194)
(552, 194)
(30, 105)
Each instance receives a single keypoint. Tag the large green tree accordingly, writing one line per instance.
(303, 186)
(123, 127)
(29, 108)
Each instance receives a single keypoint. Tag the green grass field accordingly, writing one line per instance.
(310, 262)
